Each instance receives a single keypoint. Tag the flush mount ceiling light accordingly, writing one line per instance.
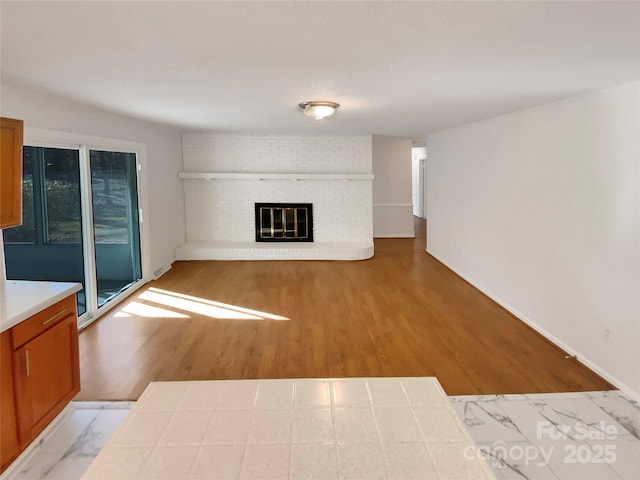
(318, 110)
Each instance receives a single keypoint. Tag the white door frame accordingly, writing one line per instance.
(421, 188)
(84, 143)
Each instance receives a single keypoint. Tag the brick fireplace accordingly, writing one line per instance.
(226, 175)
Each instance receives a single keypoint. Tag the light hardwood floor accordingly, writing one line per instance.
(401, 313)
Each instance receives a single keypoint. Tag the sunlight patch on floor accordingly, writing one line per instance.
(190, 304)
(137, 309)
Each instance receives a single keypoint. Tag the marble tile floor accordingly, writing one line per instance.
(565, 436)
(67, 450)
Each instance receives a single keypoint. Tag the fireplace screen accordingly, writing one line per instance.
(284, 222)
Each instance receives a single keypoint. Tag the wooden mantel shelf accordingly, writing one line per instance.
(273, 176)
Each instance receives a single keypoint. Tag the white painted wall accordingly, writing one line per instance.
(540, 210)
(392, 199)
(223, 210)
(165, 194)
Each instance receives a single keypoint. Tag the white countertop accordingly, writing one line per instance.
(20, 299)
(329, 429)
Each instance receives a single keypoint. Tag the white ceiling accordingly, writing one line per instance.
(397, 68)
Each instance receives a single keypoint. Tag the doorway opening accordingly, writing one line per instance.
(418, 181)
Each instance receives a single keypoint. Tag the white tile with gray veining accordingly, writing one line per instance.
(68, 450)
(566, 436)
(623, 410)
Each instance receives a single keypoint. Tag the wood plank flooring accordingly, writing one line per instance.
(401, 313)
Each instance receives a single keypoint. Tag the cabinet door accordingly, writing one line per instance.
(47, 376)
(10, 172)
(9, 444)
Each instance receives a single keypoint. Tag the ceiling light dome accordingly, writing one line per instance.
(319, 110)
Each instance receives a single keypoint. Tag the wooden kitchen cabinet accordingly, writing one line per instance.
(10, 172)
(40, 375)
(9, 443)
(46, 376)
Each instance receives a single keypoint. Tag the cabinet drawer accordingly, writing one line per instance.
(47, 318)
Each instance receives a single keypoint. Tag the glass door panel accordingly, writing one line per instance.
(48, 245)
(116, 228)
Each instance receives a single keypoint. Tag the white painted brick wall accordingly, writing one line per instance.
(223, 210)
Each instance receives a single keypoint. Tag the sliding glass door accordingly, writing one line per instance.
(80, 223)
(116, 228)
(48, 244)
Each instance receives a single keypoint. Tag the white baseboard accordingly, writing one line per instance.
(394, 235)
(629, 392)
(161, 271)
(393, 205)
